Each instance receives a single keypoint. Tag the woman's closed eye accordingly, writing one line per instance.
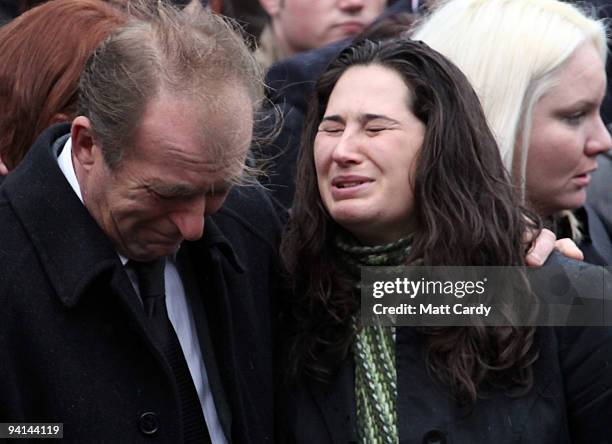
(376, 129)
(574, 118)
(331, 129)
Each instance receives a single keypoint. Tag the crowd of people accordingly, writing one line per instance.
(185, 216)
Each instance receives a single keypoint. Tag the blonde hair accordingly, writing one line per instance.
(510, 51)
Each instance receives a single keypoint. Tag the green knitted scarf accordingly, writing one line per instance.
(374, 348)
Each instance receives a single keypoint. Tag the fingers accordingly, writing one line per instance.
(568, 248)
(546, 243)
(3, 168)
(542, 247)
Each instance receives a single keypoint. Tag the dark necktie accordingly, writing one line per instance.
(152, 292)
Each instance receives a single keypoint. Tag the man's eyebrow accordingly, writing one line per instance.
(180, 190)
(172, 190)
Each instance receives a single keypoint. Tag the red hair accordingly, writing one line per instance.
(42, 54)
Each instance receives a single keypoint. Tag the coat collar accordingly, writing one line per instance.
(596, 243)
(214, 238)
(72, 248)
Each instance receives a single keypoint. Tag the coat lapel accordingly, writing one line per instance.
(75, 253)
(195, 294)
(223, 282)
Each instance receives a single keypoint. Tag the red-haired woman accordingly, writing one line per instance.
(42, 53)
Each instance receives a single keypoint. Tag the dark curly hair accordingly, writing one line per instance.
(466, 210)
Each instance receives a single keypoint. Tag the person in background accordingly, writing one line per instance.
(248, 13)
(542, 99)
(42, 54)
(9, 9)
(398, 167)
(301, 25)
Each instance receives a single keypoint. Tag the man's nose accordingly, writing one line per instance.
(600, 140)
(190, 220)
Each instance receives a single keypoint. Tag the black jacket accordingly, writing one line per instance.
(571, 399)
(74, 347)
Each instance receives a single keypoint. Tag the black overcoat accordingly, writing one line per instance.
(571, 399)
(74, 346)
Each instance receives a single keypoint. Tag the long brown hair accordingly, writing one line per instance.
(466, 210)
(42, 54)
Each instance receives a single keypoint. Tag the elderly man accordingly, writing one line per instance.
(129, 312)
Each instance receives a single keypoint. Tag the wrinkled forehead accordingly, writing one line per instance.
(209, 134)
(226, 119)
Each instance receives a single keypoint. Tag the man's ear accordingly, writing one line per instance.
(83, 142)
(272, 7)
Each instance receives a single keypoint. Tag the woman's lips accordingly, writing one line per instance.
(349, 186)
(350, 28)
(582, 180)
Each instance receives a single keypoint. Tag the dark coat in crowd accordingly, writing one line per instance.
(599, 201)
(290, 85)
(9, 9)
(571, 399)
(603, 10)
(596, 243)
(75, 346)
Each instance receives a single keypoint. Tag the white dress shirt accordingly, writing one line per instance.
(179, 312)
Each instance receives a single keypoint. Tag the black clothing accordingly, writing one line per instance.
(570, 402)
(75, 343)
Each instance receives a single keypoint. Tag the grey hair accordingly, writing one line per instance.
(162, 50)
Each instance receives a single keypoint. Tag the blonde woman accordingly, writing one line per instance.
(538, 69)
